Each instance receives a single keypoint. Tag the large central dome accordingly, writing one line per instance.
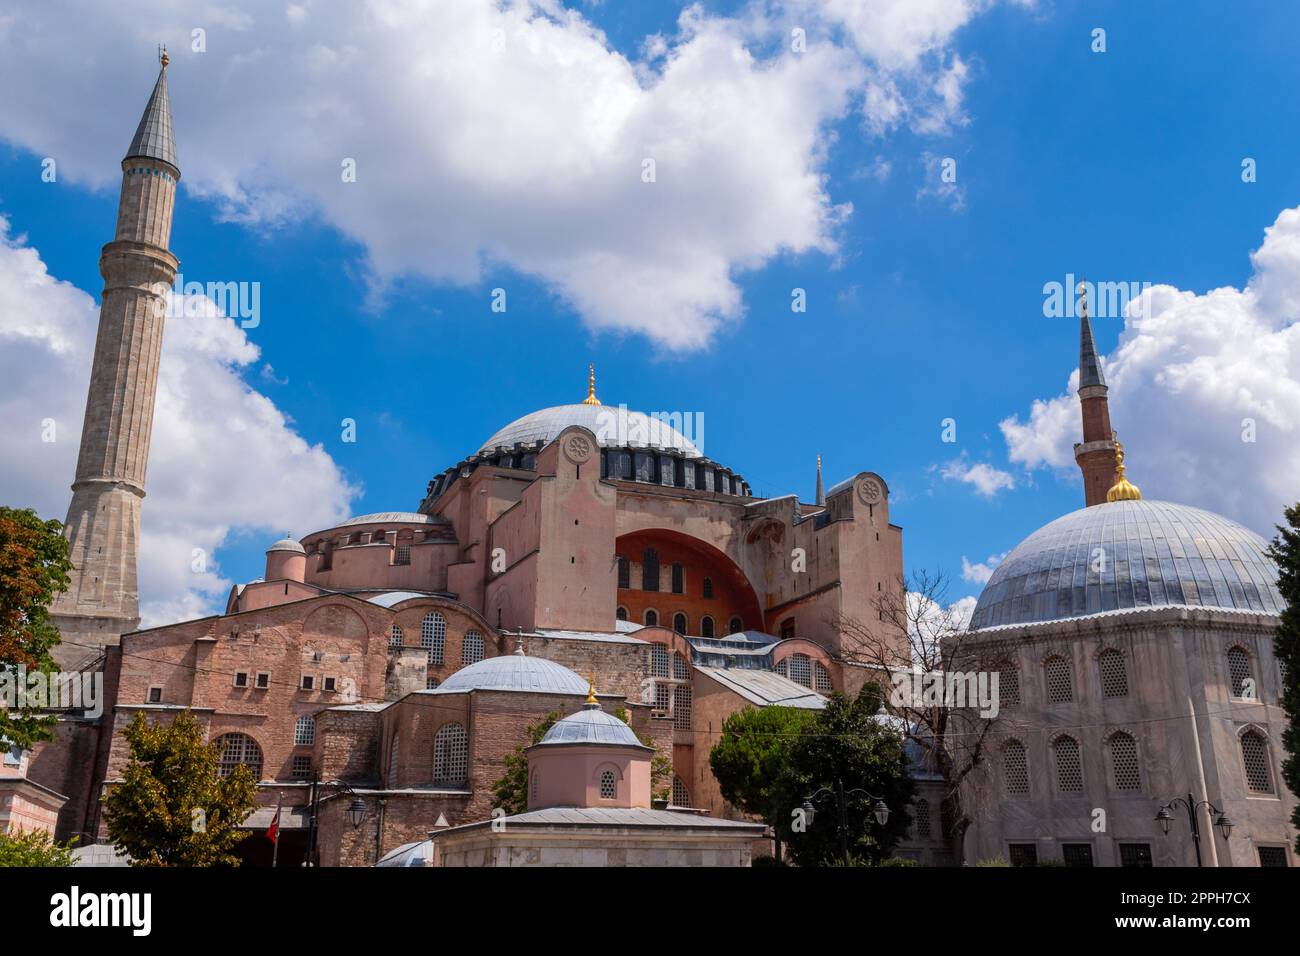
(614, 427)
(1130, 554)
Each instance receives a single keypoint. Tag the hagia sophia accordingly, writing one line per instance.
(379, 674)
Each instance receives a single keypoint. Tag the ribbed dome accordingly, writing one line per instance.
(515, 672)
(612, 430)
(1130, 554)
(287, 544)
(591, 725)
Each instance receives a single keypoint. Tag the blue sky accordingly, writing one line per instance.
(1122, 165)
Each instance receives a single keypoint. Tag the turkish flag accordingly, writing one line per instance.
(273, 831)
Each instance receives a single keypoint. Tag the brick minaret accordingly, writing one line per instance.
(1096, 453)
(103, 526)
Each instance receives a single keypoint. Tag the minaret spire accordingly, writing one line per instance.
(103, 526)
(1096, 454)
(821, 491)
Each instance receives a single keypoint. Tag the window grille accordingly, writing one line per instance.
(451, 756)
(433, 636)
(1060, 688)
(1069, 769)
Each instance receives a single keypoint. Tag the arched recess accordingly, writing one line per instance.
(733, 595)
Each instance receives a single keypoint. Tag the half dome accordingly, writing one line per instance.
(1127, 555)
(515, 672)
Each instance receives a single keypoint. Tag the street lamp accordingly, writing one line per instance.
(879, 809)
(1164, 816)
(357, 812)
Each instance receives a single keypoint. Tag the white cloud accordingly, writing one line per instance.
(223, 458)
(981, 571)
(1189, 375)
(503, 136)
(986, 480)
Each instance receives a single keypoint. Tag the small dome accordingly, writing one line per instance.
(591, 725)
(1130, 554)
(287, 544)
(611, 428)
(515, 672)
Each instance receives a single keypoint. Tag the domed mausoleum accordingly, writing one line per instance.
(1133, 645)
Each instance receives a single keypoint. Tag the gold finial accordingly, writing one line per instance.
(163, 58)
(819, 462)
(1083, 298)
(591, 398)
(591, 693)
(1123, 489)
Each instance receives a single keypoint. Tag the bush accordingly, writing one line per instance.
(36, 848)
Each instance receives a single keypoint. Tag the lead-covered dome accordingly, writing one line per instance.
(515, 672)
(1130, 554)
(614, 427)
(591, 725)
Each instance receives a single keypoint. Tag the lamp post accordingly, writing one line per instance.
(356, 811)
(880, 810)
(1165, 815)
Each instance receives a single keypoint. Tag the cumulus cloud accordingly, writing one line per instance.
(492, 138)
(983, 477)
(223, 458)
(1204, 393)
(981, 571)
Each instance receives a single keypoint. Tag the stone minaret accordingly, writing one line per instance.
(103, 526)
(1096, 453)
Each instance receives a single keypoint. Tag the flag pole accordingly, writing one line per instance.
(275, 828)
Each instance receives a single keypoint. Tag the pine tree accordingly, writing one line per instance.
(171, 808)
(1285, 551)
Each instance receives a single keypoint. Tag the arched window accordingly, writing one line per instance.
(237, 749)
(392, 763)
(679, 623)
(650, 570)
(658, 660)
(451, 756)
(679, 579)
(680, 671)
(821, 678)
(1060, 689)
(433, 635)
(921, 818)
(621, 613)
(783, 668)
(707, 588)
(471, 648)
(735, 626)
(395, 637)
(1015, 767)
(1124, 761)
(304, 731)
(1254, 756)
(608, 785)
(624, 572)
(801, 669)
(1069, 769)
(682, 707)
(651, 618)
(706, 626)
(681, 796)
(1239, 673)
(1114, 675)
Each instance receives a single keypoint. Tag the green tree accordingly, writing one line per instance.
(34, 849)
(1285, 551)
(171, 808)
(511, 790)
(849, 742)
(34, 569)
(750, 757)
